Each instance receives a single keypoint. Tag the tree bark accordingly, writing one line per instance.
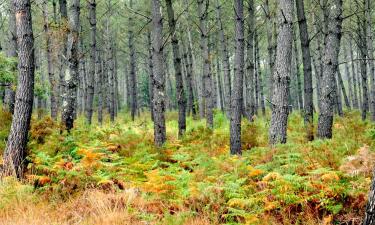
(99, 82)
(72, 74)
(180, 93)
(63, 49)
(91, 77)
(343, 90)
(307, 70)
(15, 151)
(225, 58)
(363, 54)
(281, 76)
(370, 46)
(355, 83)
(207, 92)
(348, 77)
(330, 65)
(250, 70)
(259, 72)
(133, 76)
(237, 91)
(151, 75)
(159, 75)
(10, 94)
(298, 74)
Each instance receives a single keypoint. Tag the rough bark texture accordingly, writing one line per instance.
(370, 208)
(338, 97)
(225, 58)
(133, 76)
(281, 76)
(307, 70)
(63, 51)
(91, 75)
(159, 75)
(207, 91)
(297, 72)
(72, 74)
(330, 65)
(250, 70)
(15, 151)
(363, 54)
(237, 93)
(180, 93)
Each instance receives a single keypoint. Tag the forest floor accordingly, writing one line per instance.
(113, 175)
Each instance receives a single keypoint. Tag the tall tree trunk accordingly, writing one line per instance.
(281, 76)
(237, 91)
(72, 74)
(10, 94)
(189, 80)
(99, 82)
(159, 76)
(225, 57)
(91, 77)
(363, 52)
(330, 65)
(348, 77)
(370, 47)
(298, 74)
(271, 44)
(259, 72)
(355, 83)
(64, 24)
(307, 70)
(133, 76)
(180, 93)
(15, 151)
(207, 91)
(250, 70)
(220, 85)
(51, 73)
(151, 75)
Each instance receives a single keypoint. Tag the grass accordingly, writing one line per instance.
(112, 174)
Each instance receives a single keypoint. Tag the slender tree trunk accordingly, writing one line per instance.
(250, 70)
(271, 44)
(51, 73)
(355, 83)
(338, 98)
(133, 76)
(348, 77)
(281, 77)
(260, 82)
(237, 92)
(159, 76)
(151, 75)
(64, 24)
(189, 80)
(363, 53)
(10, 94)
(307, 70)
(99, 82)
(220, 85)
(72, 74)
(180, 93)
(207, 92)
(298, 74)
(370, 46)
(342, 86)
(15, 151)
(91, 77)
(330, 65)
(225, 57)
